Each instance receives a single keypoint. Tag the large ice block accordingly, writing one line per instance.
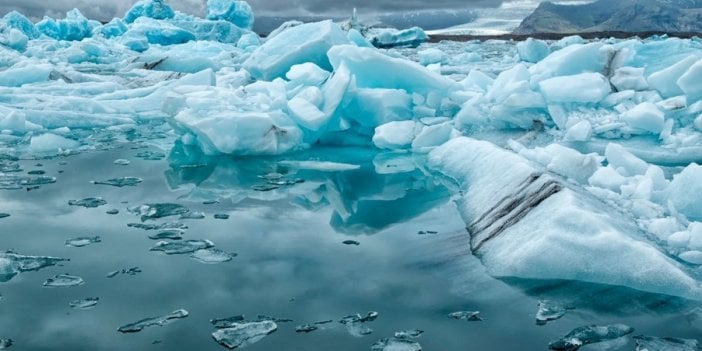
(236, 12)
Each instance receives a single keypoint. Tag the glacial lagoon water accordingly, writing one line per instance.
(284, 231)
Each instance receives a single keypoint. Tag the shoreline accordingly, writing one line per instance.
(557, 36)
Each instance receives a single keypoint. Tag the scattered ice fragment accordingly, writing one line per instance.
(263, 317)
(210, 202)
(645, 116)
(13, 182)
(112, 211)
(244, 334)
(83, 241)
(153, 321)
(151, 155)
(120, 182)
(36, 172)
(212, 256)
(12, 264)
(471, 316)
(182, 247)
(683, 192)
(172, 234)
(227, 322)
(90, 202)
(84, 304)
(122, 162)
(5, 343)
(192, 215)
(589, 335)
(647, 343)
(158, 210)
(305, 328)
(425, 232)
(396, 344)
(351, 242)
(4, 215)
(168, 225)
(221, 216)
(549, 311)
(321, 322)
(406, 334)
(63, 281)
(355, 323)
(127, 271)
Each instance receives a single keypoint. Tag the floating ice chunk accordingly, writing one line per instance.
(581, 131)
(158, 210)
(351, 242)
(373, 69)
(168, 225)
(357, 38)
(478, 80)
(74, 27)
(51, 143)
(666, 80)
(573, 60)
(396, 344)
(431, 56)
(582, 88)
(90, 202)
(120, 182)
(247, 133)
(127, 271)
(115, 28)
(212, 256)
(409, 334)
(355, 323)
(645, 116)
(304, 43)
(15, 39)
(629, 78)
(549, 311)
(389, 37)
(171, 234)
(432, 136)
(373, 107)
(626, 163)
(16, 20)
(18, 182)
(320, 166)
(182, 247)
(693, 257)
(240, 335)
(306, 114)
(12, 264)
(684, 192)
(306, 328)
(307, 73)
(84, 304)
(122, 162)
(63, 281)
(20, 75)
(220, 323)
(153, 321)
(156, 9)
(236, 12)
(510, 202)
(590, 335)
(648, 343)
(562, 160)
(396, 135)
(691, 82)
(470, 316)
(283, 27)
(607, 178)
(532, 50)
(83, 241)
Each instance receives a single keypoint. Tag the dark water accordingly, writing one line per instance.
(291, 262)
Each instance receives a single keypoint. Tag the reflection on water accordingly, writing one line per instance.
(279, 253)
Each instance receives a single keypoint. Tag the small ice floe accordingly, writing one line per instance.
(63, 281)
(172, 234)
(182, 247)
(425, 232)
(119, 182)
(409, 334)
(150, 155)
(589, 335)
(396, 344)
(221, 216)
(351, 242)
(83, 241)
(84, 304)
(242, 334)
(355, 323)
(112, 211)
(127, 271)
(470, 316)
(647, 343)
(212, 256)
(14, 182)
(5, 343)
(90, 202)
(162, 226)
(306, 328)
(192, 215)
(158, 210)
(122, 162)
(153, 321)
(549, 311)
(12, 264)
(227, 322)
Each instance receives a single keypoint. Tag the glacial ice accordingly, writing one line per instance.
(389, 37)
(153, 321)
(236, 12)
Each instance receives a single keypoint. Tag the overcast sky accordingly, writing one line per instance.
(107, 9)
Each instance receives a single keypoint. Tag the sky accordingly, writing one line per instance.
(107, 9)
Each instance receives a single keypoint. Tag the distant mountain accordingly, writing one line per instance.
(620, 15)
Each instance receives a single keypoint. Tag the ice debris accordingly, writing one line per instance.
(396, 344)
(172, 234)
(153, 321)
(127, 271)
(212, 256)
(63, 281)
(12, 264)
(84, 304)
(549, 311)
(239, 335)
(182, 247)
(648, 343)
(83, 241)
(355, 323)
(90, 202)
(470, 316)
(162, 226)
(158, 210)
(589, 335)
(122, 162)
(305, 328)
(120, 182)
(221, 216)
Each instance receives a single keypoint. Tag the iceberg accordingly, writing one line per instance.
(390, 37)
(237, 12)
(156, 9)
(74, 27)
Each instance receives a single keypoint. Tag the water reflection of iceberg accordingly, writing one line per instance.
(367, 190)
